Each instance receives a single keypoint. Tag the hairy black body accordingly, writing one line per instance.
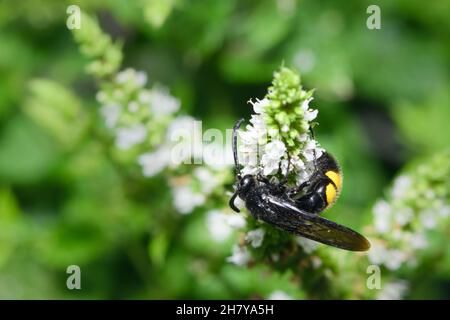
(282, 207)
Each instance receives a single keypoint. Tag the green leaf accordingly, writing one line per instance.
(26, 153)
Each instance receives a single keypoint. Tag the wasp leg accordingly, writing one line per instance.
(292, 192)
(285, 178)
(262, 178)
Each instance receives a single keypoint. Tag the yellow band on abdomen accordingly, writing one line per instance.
(330, 193)
(336, 178)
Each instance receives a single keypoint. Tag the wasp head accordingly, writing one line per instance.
(245, 184)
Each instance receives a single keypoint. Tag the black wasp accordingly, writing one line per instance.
(297, 209)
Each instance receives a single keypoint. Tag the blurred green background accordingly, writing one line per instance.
(383, 99)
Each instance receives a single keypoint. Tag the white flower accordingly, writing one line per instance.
(279, 295)
(140, 78)
(316, 262)
(236, 221)
(394, 259)
(162, 102)
(182, 126)
(395, 290)
(133, 106)
(444, 210)
(145, 96)
(110, 114)
(401, 186)
(309, 114)
(311, 151)
(377, 253)
(305, 59)
(217, 225)
(259, 105)
(418, 241)
(428, 219)
(382, 212)
(154, 162)
(128, 137)
(271, 158)
(185, 199)
(259, 124)
(240, 256)
(255, 237)
(129, 75)
(404, 216)
(101, 97)
(308, 245)
(208, 181)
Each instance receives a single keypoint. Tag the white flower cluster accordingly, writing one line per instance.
(279, 295)
(394, 290)
(128, 108)
(241, 256)
(180, 130)
(143, 117)
(401, 228)
(191, 191)
(265, 155)
(221, 224)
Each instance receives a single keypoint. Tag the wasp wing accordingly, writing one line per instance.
(286, 216)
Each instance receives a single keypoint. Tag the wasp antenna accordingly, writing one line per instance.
(313, 136)
(235, 153)
(232, 205)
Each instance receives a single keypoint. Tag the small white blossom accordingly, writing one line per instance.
(240, 256)
(377, 253)
(310, 114)
(401, 186)
(145, 96)
(418, 241)
(428, 219)
(182, 126)
(444, 210)
(394, 259)
(129, 137)
(129, 75)
(255, 237)
(395, 290)
(404, 216)
(271, 158)
(162, 102)
(279, 295)
(133, 106)
(260, 105)
(154, 162)
(236, 221)
(185, 199)
(309, 246)
(208, 181)
(110, 114)
(316, 262)
(305, 59)
(311, 151)
(382, 212)
(217, 225)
